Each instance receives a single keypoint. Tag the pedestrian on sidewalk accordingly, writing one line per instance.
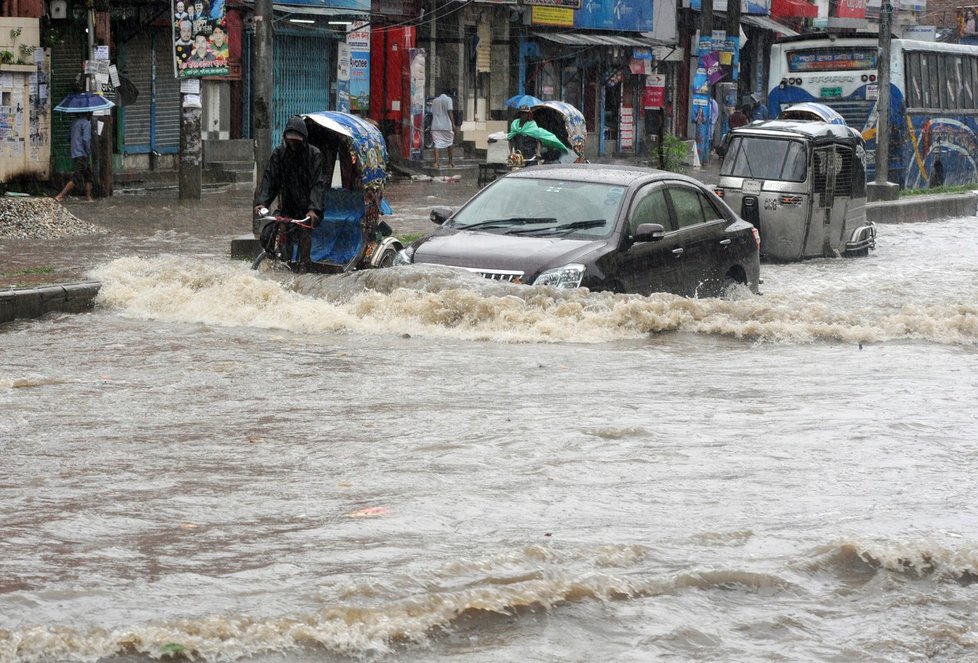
(443, 128)
(739, 117)
(81, 154)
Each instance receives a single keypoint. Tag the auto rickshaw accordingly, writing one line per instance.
(803, 186)
(812, 111)
(351, 234)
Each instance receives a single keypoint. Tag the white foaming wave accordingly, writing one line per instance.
(443, 302)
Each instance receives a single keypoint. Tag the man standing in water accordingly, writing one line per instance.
(443, 128)
(295, 174)
(81, 154)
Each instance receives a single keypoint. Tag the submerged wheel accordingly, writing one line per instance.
(387, 257)
(258, 260)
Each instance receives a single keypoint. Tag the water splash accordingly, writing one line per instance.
(441, 302)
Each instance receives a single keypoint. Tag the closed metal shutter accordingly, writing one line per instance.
(301, 77)
(152, 123)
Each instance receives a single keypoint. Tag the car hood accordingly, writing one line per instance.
(482, 250)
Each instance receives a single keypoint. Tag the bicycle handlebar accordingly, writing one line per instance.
(304, 222)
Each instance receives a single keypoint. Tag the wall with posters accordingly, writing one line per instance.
(25, 119)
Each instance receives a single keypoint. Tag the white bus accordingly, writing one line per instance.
(933, 99)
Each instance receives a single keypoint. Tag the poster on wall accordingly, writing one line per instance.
(417, 59)
(626, 128)
(200, 38)
(358, 39)
(343, 77)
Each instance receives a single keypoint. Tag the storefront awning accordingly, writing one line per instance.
(312, 10)
(597, 39)
(793, 9)
(768, 23)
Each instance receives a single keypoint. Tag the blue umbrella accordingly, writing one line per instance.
(522, 100)
(83, 102)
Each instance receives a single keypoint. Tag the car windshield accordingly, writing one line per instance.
(543, 207)
(762, 158)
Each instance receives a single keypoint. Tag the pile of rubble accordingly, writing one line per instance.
(40, 218)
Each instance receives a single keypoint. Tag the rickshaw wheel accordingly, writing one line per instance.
(257, 261)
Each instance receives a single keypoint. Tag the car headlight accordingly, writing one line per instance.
(568, 276)
(404, 256)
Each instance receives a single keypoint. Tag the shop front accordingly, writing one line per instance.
(598, 57)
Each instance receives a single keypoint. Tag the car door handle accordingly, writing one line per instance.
(678, 252)
(725, 242)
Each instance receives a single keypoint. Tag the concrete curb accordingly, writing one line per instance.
(21, 303)
(925, 207)
(245, 247)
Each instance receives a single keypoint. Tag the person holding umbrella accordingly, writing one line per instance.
(81, 153)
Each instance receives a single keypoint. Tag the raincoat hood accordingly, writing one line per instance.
(298, 125)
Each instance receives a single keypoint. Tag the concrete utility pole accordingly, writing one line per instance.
(190, 147)
(706, 19)
(104, 141)
(882, 189)
(733, 22)
(261, 110)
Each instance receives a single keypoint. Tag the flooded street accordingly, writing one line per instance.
(418, 465)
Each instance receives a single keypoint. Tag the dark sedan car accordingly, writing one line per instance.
(602, 227)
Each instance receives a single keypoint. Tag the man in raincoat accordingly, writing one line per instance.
(295, 174)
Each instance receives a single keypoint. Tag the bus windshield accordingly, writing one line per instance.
(763, 158)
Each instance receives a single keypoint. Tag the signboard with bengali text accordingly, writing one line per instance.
(560, 17)
(569, 4)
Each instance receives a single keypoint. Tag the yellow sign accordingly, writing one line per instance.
(557, 16)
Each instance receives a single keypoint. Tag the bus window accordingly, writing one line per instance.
(766, 159)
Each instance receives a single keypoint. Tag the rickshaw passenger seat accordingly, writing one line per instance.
(338, 237)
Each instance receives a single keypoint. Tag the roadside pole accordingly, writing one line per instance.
(733, 27)
(105, 137)
(190, 143)
(261, 113)
(882, 188)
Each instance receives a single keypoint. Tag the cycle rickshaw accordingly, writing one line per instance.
(351, 234)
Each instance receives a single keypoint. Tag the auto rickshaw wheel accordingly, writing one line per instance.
(387, 257)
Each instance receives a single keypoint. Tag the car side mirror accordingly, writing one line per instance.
(721, 150)
(649, 232)
(440, 215)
